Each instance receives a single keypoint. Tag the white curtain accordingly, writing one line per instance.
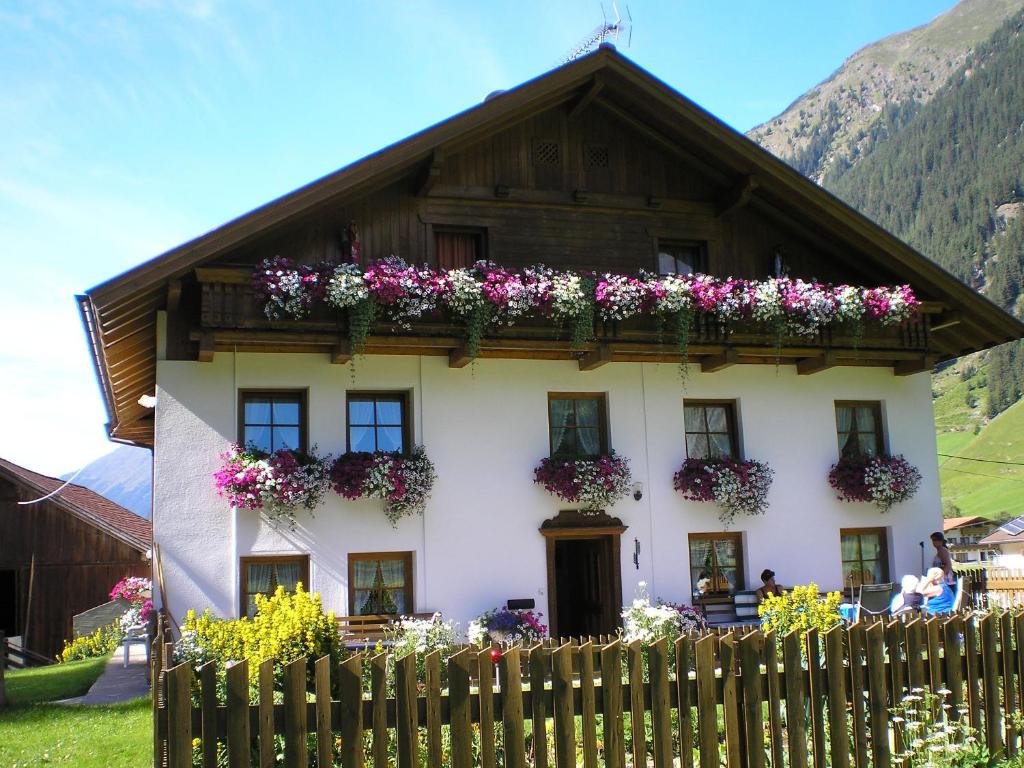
(288, 575)
(561, 417)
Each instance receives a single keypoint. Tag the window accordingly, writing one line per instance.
(546, 152)
(457, 248)
(378, 421)
(269, 421)
(716, 563)
(859, 427)
(865, 556)
(380, 583)
(577, 424)
(595, 155)
(681, 258)
(710, 429)
(263, 575)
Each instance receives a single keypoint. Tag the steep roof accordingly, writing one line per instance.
(96, 510)
(120, 315)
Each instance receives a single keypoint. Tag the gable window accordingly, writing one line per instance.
(676, 257)
(269, 421)
(710, 429)
(865, 556)
(378, 421)
(577, 424)
(859, 428)
(380, 583)
(263, 575)
(716, 563)
(458, 248)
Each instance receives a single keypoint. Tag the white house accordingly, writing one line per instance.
(596, 166)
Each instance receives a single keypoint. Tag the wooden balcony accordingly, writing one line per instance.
(231, 318)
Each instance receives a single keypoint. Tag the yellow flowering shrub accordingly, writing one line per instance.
(101, 642)
(802, 608)
(287, 626)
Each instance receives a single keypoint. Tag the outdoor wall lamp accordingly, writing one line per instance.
(638, 491)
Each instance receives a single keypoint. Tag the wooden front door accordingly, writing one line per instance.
(584, 576)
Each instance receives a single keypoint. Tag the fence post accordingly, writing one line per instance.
(237, 701)
(486, 688)
(511, 710)
(611, 700)
(461, 709)
(324, 737)
(795, 723)
(837, 698)
(816, 696)
(857, 688)
(878, 696)
(588, 705)
(208, 704)
(296, 721)
(990, 673)
(538, 664)
(432, 665)
(179, 717)
(379, 696)
(684, 653)
(707, 702)
(661, 703)
(565, 726)
(635, 668)
(350, 695)
(730, 701)
(1009, 690)
(771, 663)
(265, 682)
(751, 650)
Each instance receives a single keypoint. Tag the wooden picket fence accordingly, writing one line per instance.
(739, 699)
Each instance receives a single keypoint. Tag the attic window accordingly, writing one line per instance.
(546, 152)
(595, 155)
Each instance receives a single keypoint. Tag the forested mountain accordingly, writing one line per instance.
(841, 119)
(949, 179)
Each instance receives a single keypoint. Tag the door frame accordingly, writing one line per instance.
(575, 525)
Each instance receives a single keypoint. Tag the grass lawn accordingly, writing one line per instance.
(36, 732)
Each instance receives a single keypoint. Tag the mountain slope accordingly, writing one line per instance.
(841, 119)
(124, 476)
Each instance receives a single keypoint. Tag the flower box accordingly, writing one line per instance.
(278, 483)
(403, 482)
(880, 480)
(738, 487)
(595, 482)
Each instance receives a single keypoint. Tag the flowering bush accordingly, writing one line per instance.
(487, 293)
(403, 482)
(802, 608)
(102, 642)
(287, 626)
(881, 480)
(738, 487)
(421, 636)
(596, 482)
(278, 483)
(504, 625)
(134, 589)
(650, 623)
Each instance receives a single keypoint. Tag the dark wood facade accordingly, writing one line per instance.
(54, 563)
(593, 166)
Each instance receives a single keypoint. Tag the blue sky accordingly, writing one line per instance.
(129, 127)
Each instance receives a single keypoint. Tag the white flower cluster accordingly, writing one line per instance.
(738, 496)
(465, 295)
(346, 287)
(420, 636)
(568, 299)
(932, 734)
(674, 296)
(851, 303)
(476, 632)
(649, 623)
(290, 298)
(620, 297)
(890, 482)
(599, 490)
(131, 618)
(404, 483)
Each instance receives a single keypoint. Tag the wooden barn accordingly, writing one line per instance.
(61, 556)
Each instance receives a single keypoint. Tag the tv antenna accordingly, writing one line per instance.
(607, 31)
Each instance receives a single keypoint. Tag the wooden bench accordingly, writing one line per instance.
(367, 631)
(739, 608)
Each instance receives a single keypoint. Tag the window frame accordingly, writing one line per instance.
(410, 578)
(732, 422)
(243, 574)
(735, 536)
(661, 243)
(604, 438)
(400, 395)
(303, 398)
(480, 233)
(883, 556)
(876, 406)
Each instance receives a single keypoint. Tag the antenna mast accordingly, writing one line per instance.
(607, 31)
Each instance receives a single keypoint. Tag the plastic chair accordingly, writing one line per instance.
(138, 633)
(873, 600)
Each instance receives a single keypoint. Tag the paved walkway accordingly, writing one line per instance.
(118, 683)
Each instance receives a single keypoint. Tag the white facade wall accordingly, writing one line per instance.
(485, 428)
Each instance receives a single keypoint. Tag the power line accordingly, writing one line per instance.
(986, 461)
(979, 474)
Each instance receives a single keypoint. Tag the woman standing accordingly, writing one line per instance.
(943, 559)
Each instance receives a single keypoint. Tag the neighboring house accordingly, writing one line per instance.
(61, 556)
(1008, 541)
(964, 537)
(596, 165)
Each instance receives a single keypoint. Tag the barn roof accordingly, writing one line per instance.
(87, 505)
(120, 314)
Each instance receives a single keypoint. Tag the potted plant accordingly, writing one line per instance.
(880, 480)
(738, 487)
(403, 482)
(505, 625)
